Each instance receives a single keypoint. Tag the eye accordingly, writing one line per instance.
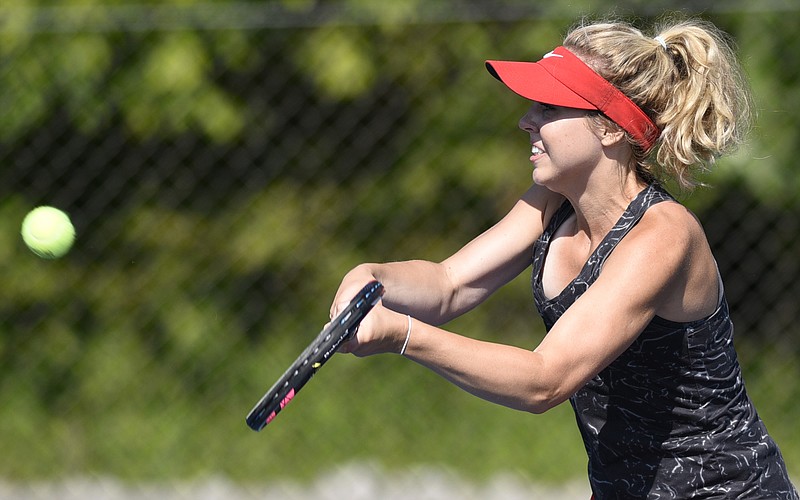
(548, 109)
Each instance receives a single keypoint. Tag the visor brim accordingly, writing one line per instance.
(531, 81)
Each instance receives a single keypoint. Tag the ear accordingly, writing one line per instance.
(610, 136)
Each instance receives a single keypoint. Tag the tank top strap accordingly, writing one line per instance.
(648, 197)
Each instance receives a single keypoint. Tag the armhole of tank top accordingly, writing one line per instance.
(720, 286)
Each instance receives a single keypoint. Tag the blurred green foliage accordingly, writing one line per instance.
(226, 163)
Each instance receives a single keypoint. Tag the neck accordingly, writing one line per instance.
(599, 206)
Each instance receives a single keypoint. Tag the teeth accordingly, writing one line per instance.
(535, 150)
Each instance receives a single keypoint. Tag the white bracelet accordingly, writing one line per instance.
(408, 336)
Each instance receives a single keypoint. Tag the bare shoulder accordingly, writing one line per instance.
(544, 201)
(670, 248)
(672, 225)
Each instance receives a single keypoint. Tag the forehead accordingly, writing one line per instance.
(565, 110)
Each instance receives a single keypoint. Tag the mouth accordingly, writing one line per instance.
(536, 152)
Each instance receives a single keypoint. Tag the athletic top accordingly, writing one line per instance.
(670, 417)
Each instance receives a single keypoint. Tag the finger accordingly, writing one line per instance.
(345, 347)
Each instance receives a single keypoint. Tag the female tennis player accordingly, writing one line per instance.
(639, 332)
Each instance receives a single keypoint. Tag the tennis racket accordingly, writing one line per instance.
(340, 329)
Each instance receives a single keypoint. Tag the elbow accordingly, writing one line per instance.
(538, 409)
(548, 384)
(542, 400)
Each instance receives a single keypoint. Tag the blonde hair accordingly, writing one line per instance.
(694, 90)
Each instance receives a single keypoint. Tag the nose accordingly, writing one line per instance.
(528, 123)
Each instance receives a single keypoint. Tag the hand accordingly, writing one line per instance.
(351, 284)
(381, 331)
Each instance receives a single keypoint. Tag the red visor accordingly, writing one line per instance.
(562, 79)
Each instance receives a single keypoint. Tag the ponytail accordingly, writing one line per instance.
(686, 78)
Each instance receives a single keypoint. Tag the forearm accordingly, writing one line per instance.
(416, 287)
(506, 375)
(510, 376)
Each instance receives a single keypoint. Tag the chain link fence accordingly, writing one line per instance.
(226, 163)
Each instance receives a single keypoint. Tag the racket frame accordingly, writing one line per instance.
(318, 352)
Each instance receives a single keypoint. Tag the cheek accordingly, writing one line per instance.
(575, 145)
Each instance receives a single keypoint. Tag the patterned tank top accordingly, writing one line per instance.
(669, 418)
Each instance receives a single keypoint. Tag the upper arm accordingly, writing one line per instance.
(643, 273)
(500, 253)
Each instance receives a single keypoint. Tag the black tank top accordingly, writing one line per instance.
(670, 417)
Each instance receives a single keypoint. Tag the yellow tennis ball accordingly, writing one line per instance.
(48, 232)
